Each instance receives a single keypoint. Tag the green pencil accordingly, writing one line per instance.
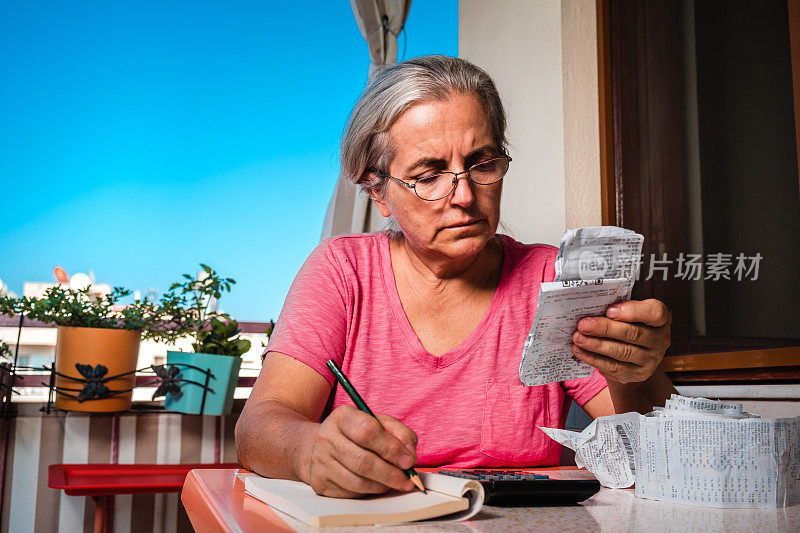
(362, 405)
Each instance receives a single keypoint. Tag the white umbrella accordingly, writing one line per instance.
(380, 23)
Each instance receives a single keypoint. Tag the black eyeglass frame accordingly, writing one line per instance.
(413, 185)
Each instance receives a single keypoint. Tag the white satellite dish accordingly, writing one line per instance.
(79, 281)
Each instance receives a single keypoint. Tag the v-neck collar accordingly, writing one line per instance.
(396, 306)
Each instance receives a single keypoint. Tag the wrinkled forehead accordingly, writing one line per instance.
(441, 129)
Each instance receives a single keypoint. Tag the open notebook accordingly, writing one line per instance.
(449, 497)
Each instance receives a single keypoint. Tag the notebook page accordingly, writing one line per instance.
(300, 501)
(470, 489)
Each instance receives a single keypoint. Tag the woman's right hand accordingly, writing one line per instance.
(354, 454)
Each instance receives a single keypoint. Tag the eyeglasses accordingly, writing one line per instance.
(441, 184)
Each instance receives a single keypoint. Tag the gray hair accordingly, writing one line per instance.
(366, 144)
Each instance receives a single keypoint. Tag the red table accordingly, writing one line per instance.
(216, 503)
(103, 481)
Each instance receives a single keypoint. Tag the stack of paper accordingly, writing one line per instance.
(695, 451)
(595, 268)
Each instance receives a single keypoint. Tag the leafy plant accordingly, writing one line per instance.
(268, 331)
(215, 333)
(220, 338)
(5, 351)
(160, 321)
(184, 310)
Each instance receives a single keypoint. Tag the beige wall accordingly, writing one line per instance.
(543, 56)
(581, 113)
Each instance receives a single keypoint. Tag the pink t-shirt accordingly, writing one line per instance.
(468, 406)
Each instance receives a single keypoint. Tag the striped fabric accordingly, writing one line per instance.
(37, 440)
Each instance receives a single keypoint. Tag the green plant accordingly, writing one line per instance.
(184, 310)
(160, 321)
(215, 333)
(220, 338)
(268, 332)
(5, 351)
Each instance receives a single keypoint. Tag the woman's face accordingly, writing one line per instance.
(451, 135)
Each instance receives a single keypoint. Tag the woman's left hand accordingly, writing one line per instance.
(628, 345)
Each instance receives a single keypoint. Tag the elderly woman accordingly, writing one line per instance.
(429, 321)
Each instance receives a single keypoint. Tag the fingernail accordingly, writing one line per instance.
(406, 461)
(613, 311)
(408, 485)
(579, 338)
(586, 324)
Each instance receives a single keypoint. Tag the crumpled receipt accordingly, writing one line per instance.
(694, 451)
(598, 252)
(595, 267)
(605, 448)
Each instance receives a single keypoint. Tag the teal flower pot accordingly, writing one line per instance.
(225, 370)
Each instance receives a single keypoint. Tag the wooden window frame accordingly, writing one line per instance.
(639, 177)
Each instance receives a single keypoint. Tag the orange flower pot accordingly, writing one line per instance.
(116, 349)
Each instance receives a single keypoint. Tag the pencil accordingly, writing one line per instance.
(362, 405)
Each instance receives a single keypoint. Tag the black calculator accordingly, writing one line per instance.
(527, 488)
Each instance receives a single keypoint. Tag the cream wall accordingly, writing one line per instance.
(581, 113)
(542, 55)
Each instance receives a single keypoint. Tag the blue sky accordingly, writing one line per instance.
(139, 139)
